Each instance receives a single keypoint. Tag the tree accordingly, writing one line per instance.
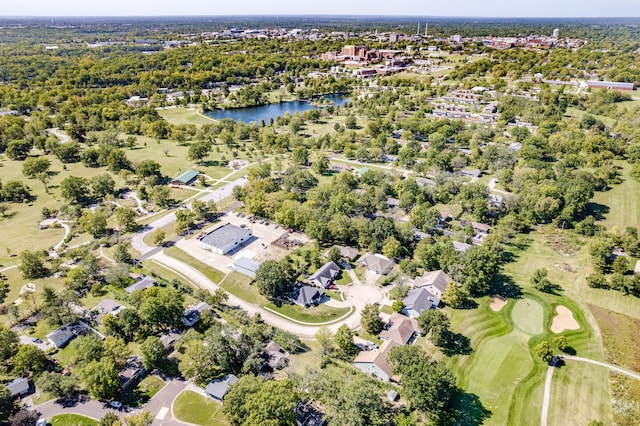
(454, 296)
(397, 306)
(350, 122)
(6, 403)
(142, 418)
(32, 265)
(358, 403)
(74, 189)
(540, 282)
(428, 385)
(275, 279)
(110, 419)
(154, 355)
(102, 185)
(115, 350)
(101, 379)
(620, 265)
(600, 251)
(344, 342)
(158, 237)
(334, 255)
(88, 348)
(435, 322)
(234, 406)
(32, 167)
(161, 196)
(161, 308)
(273, 404)
(561, 342)
(126, 219)
(148, 168)
(15, 191)
(324, 337)
(30, 360)
(321, 164)
(24, 418)
(121, 253)
(543, 349)
(301, 156)
(57, 385)
(199, 150)
(371, 320)
(18, 149)
(94, 223)
(9, 345)
(117, 160)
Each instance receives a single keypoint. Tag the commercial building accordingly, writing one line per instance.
(225, 238)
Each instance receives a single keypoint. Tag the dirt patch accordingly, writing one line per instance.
(564, 320)
(497, 303)
(562, 243)
(565, 267)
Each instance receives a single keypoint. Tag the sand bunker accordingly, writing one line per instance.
(564, 320)
(28, 288)
(497, 304)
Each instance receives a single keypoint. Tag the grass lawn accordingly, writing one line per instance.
(240, 285)
(386, 309)
(72, 420)
(169, 232)
(343, 278)
(578, 113)
(622, 201)
(314, 315)
(180, 116)
(527, 315)
(191, 407)
(142, 393)
(210, 272)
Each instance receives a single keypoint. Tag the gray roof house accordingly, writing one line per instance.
(246, 266)
(434, 281)
(132, 371)
(307, 296)
(217, 389)
(18, 387)
(376, 263)
(192, 315)
(61, 336)
(276, 356)
(169, 339)
(142, 283)
(107, 306)
(461, 247)
(325, 275)
(417, 301)
(348, 253)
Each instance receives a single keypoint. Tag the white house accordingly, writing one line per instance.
(225, 238)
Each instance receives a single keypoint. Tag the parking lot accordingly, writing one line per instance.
(259, 247)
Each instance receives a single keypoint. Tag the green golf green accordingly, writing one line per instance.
(528, 316)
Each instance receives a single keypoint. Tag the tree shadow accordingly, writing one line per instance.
(506, 287)
(469, 304)
(597, 210)
(459, 344)
(466, 410)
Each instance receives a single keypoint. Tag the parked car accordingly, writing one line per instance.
(37, 340)
(116, 404)
(41, 422)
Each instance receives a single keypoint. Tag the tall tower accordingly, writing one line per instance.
(418, 28)
(556, 33)
(426, 29)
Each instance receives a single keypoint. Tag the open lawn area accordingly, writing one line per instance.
(146, 389)
(621, 203)
(314, 315)
(577, 113)
(178, 115)
(72, 420)
(191, 407)
(210, 272)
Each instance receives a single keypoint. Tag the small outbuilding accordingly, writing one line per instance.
(186, 178)
(142, 283)
(217, 389)
(246, 266)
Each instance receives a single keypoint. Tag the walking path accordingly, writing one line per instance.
(547, 384)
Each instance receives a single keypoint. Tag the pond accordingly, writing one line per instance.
(267, 112)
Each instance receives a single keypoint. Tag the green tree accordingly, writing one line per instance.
(32, 265)
(117, 160)
(161, 308)
(110, 419)
(9, 345)
(148, 168)
(234, 407)
(6, 403)
(18, 149)
(30, 360)
(334, 255)
(358, 403)
(199, 150)
(74, 189)
(101, 379)
(102, 185)
(620, 265)
(344, 342)
(142, 418)
(540, 282)
(126, 219)
(275, 279)
(301, 156)
(121, 253)
(435, 323)
(321, 164)
(24, 417)
(57, 385)
(371, 320)
(397, 306)
(544, 351)
(454, 296)
(561, 342)
(94, 223)
(324, 337)
(350, 122)
(158, 237)
(273, 404)
(154, 355)
(33, 166)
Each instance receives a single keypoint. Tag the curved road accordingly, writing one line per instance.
(547, 384)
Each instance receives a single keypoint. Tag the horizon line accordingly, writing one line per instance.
(314, 15)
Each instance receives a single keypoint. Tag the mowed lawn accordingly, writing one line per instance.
(178, 116)
(623, 202)
(191, 407)
(72, 420)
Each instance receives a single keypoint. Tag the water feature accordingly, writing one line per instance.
(267, 112)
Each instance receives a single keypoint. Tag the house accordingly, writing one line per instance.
(307, 296)
(142, 283)
(59, 337)
(18, 387)
(515, 147)
(186, 178)
(192, 315)
(435, 281)
(225, 238)
(325, 275)
(474, 173)
(392, 396)
(105, 307)
(393, 203)
(418, 235)
(276, 356)
(377, 263)
(419, 300)
(132, 371)
(348, 253)
(246, 266)
(481, 228)
(375, 362)
(461, 247)
(169, 339)
(217, 389)
(340, 167)
(400, 329)
(308, 415)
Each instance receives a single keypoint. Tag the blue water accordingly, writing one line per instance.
(267, 112)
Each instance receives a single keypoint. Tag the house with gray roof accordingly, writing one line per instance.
(132, 371)
(105, 307)
(246, 266)
(217, 389)
(192, 315)
(142, 283)
(169, 339)
(307, 296)
(276, 356)
(225, 238)
(348, 253)
(325, 275)
(435, 282)
(18, 387)
(377, 263)
(461, 247)
(419, 300)
(61, 336)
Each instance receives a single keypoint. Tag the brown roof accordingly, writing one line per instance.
(401, 330)
(439, 279)
(378, 357)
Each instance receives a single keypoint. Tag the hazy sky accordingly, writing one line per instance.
(493, 8)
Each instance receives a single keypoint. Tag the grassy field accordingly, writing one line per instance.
(577, 113)
(72, 420)
(180, 116)
(191, 407)
(210, 272)
(622, 201)
(314, 315)
(146, 389)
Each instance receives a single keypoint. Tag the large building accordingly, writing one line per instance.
(225, 238)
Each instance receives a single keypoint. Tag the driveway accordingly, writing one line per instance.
(25, 340)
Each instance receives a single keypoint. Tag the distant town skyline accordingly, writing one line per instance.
(453, 8)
